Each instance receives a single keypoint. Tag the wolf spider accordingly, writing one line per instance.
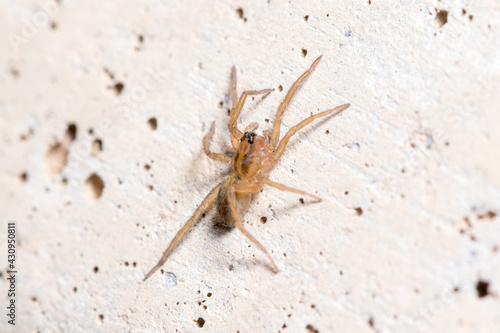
(255, 155)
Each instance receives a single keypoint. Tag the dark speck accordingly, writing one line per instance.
(200, 321)
(482, 288)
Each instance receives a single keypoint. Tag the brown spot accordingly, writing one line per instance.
(301, 200)
(304, 52)
(310, 329)
(94, 186)
(153, 124)
(490, 214)
(482, 288)
(96, 269)
(371, 322)
(200, 322)
(101, 317)
(239, 13)
(263, 219)
(23, 177)
(441, 18)
(359, 211)
(306, 18)
(280, 88)
(118, 88)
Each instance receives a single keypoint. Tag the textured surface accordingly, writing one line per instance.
(408, 227)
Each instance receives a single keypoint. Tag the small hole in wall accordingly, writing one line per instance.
(118, 87)
(94, 187)
(306, 18)
(96, 269)
(71, 132)
(96, 147)
(371, 322)
(153, 124)
(23, 177)
(482, 288)
(239, 13)
(304, 52)
(441, 18)
(200, 322)
(263, 219)
(310, 329)
(101, 317)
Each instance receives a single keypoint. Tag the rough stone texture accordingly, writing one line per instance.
(409, 227)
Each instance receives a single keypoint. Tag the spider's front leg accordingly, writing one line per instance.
(236, 134)
(277, 120)
(282, 145)
(246, 187)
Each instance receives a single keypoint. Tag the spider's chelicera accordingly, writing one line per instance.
(255, 156)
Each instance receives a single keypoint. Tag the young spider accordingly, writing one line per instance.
(255, 155)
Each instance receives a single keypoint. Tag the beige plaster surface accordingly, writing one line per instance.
(409, 224)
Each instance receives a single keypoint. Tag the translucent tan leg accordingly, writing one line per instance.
(232, 201)
(215, 156)
(277, 121)
(207, 204)
(236, 134)
(289, 189)
(282, 145)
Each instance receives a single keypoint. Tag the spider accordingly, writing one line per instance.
(255, 156)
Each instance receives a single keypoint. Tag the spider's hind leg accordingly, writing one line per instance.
(252, 187)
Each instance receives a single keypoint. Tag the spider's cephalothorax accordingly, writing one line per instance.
(254, 157)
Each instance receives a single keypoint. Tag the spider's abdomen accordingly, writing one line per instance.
(243, 200)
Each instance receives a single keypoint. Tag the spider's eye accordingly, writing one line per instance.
(250, 138)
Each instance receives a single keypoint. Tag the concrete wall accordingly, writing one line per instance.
(406, 238)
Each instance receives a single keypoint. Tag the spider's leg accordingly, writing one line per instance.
(207, 204)
(277, 121)
(215, 156)
(282, 145)
(236, 134)
(234, 91)
(233, 202)
(289, 189)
